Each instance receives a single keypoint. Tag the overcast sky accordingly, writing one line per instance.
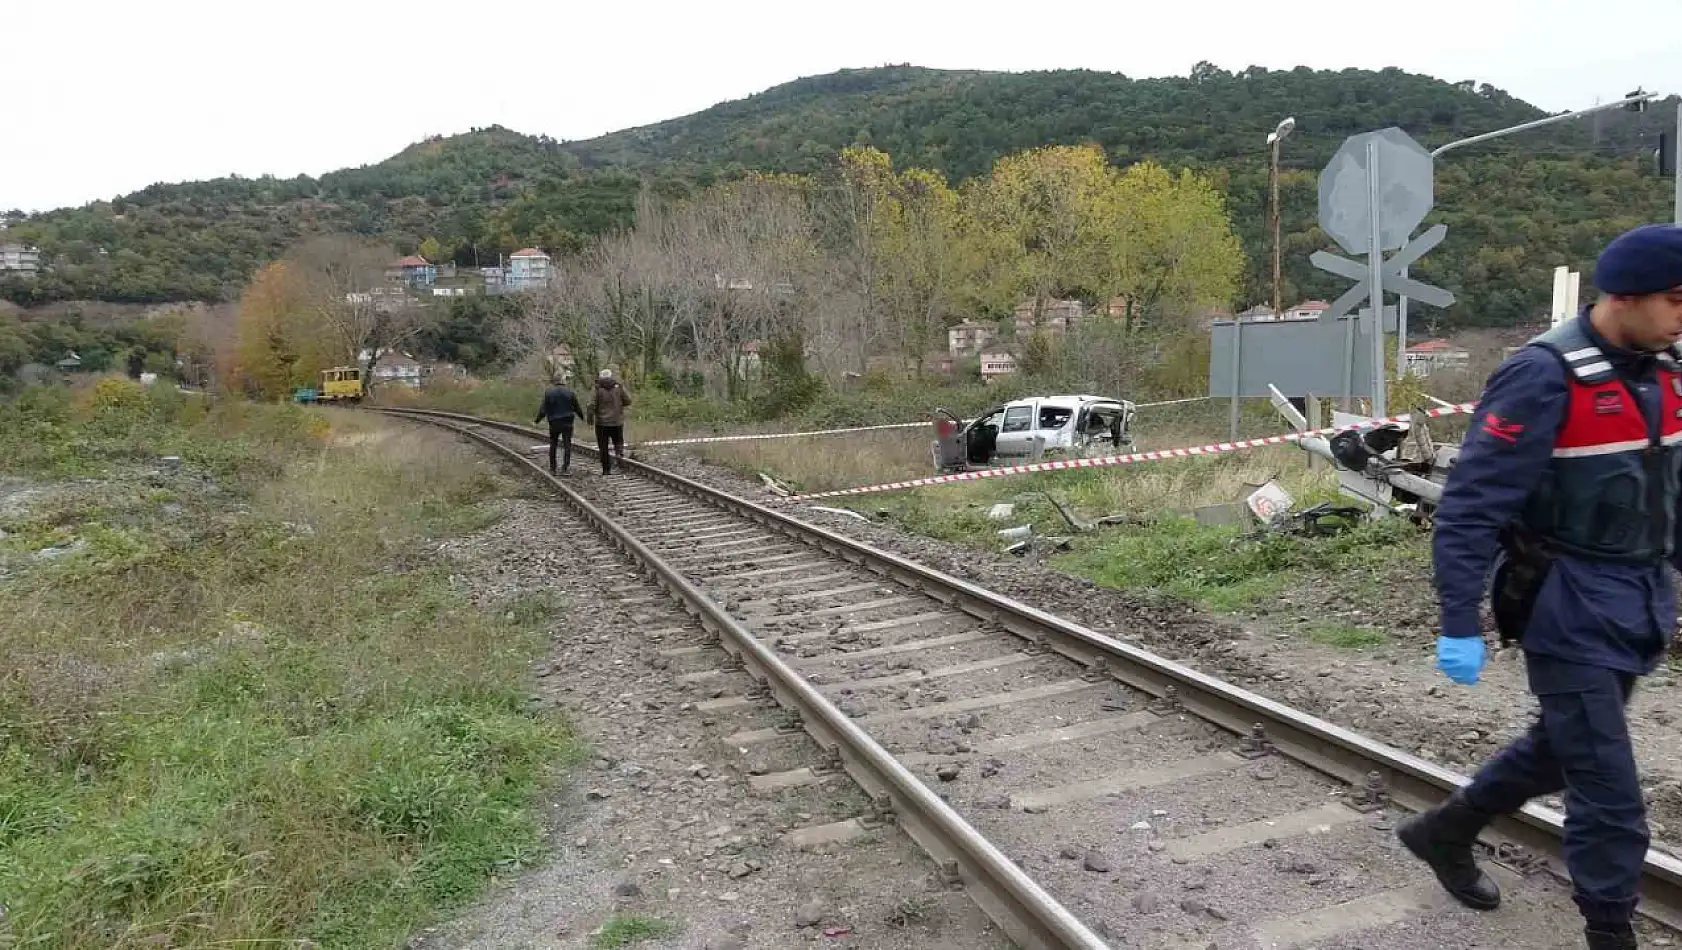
(108, 96)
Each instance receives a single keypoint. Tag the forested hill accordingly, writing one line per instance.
(1515, 208)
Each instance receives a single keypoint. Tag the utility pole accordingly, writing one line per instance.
(1284, 128)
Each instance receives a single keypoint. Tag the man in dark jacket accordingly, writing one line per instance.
(560, 407)
(1564, 497)
(607, 411)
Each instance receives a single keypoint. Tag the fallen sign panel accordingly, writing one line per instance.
(1107, 461)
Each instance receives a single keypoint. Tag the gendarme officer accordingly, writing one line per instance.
(1564, 497)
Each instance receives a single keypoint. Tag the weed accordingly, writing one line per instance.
(625, 930)
(1347, 636)
(909, 912)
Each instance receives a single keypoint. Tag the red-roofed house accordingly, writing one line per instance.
(413, 270)
(1425, 358)
(1307, 310)
(528, 269)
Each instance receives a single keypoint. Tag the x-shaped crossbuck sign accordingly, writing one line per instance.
(1391, 275)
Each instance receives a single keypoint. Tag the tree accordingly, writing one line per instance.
(340, 275)
(1040, 219)
(926, 261)
(854, 208)
(1171, 248)
(279, 342)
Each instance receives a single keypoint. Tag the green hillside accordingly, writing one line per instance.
(1515, 208)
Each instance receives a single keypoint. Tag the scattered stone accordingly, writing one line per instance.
(1140, 826)
(1193, 907)
(991, 768)
(947, 773)
(726, 942)
(1069, 852)
(596, 794)
(970, 722)
(809, 914)
(1146, 903)
(1265, 772)
(729, 897)
(1096, 862)
(739, 870)
(627, 889)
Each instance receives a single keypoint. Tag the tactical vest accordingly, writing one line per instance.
(1610, 493)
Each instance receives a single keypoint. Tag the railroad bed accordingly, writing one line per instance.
(1085, 793)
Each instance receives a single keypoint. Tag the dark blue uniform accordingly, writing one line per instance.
(1595, 626)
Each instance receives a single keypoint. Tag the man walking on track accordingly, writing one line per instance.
(1564, 497)
(607, 411)
(561, 408)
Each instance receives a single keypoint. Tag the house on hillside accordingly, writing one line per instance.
(393, 368)
(413, 270)
(19, 260)
(1307, 310)
(1059, 316)
(994, 365)
(1425, 358)
(969, 338)
(528, 269)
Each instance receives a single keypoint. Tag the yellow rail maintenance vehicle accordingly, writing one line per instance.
(339, 384)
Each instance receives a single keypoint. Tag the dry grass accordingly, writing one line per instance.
(245, 707)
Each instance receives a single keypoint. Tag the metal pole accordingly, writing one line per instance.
(1550, 120)
(1402, 304)
(1278, 306)
(1237, 340)
(1678, 150)
(1375, 274)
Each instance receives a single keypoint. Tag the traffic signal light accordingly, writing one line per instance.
(1666, 154)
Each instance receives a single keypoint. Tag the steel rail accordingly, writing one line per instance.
(1367, 765)
(1027, 914)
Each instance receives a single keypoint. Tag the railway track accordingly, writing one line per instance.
(1084, 792)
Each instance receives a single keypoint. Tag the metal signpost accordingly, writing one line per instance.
(1373, 193)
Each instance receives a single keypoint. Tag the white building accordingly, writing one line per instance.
(528, 269)
(19, 260)
(994, 365)
(968, 338)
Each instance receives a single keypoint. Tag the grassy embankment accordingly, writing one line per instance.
(243, 704)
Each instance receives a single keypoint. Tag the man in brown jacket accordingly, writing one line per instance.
(607, 411)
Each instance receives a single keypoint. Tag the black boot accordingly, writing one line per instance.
(1443, 838)
(1605, 937)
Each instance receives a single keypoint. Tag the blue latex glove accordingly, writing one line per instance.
(1461, 658)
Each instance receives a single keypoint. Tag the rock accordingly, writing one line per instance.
(726, 942)
(1096, 862)
(970, 722)
(991, 768)
(1069, 852)
(739, 870)
(1193, 907)
(729, 897)
(809, 914)
(596, 794)
(1146, 903)
(627, 889)
(1265, 772)
(947, 773)
(1140, 826)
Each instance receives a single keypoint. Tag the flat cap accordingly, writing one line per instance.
(1647, 260)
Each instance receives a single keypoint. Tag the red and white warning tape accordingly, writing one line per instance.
(1106, 461)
